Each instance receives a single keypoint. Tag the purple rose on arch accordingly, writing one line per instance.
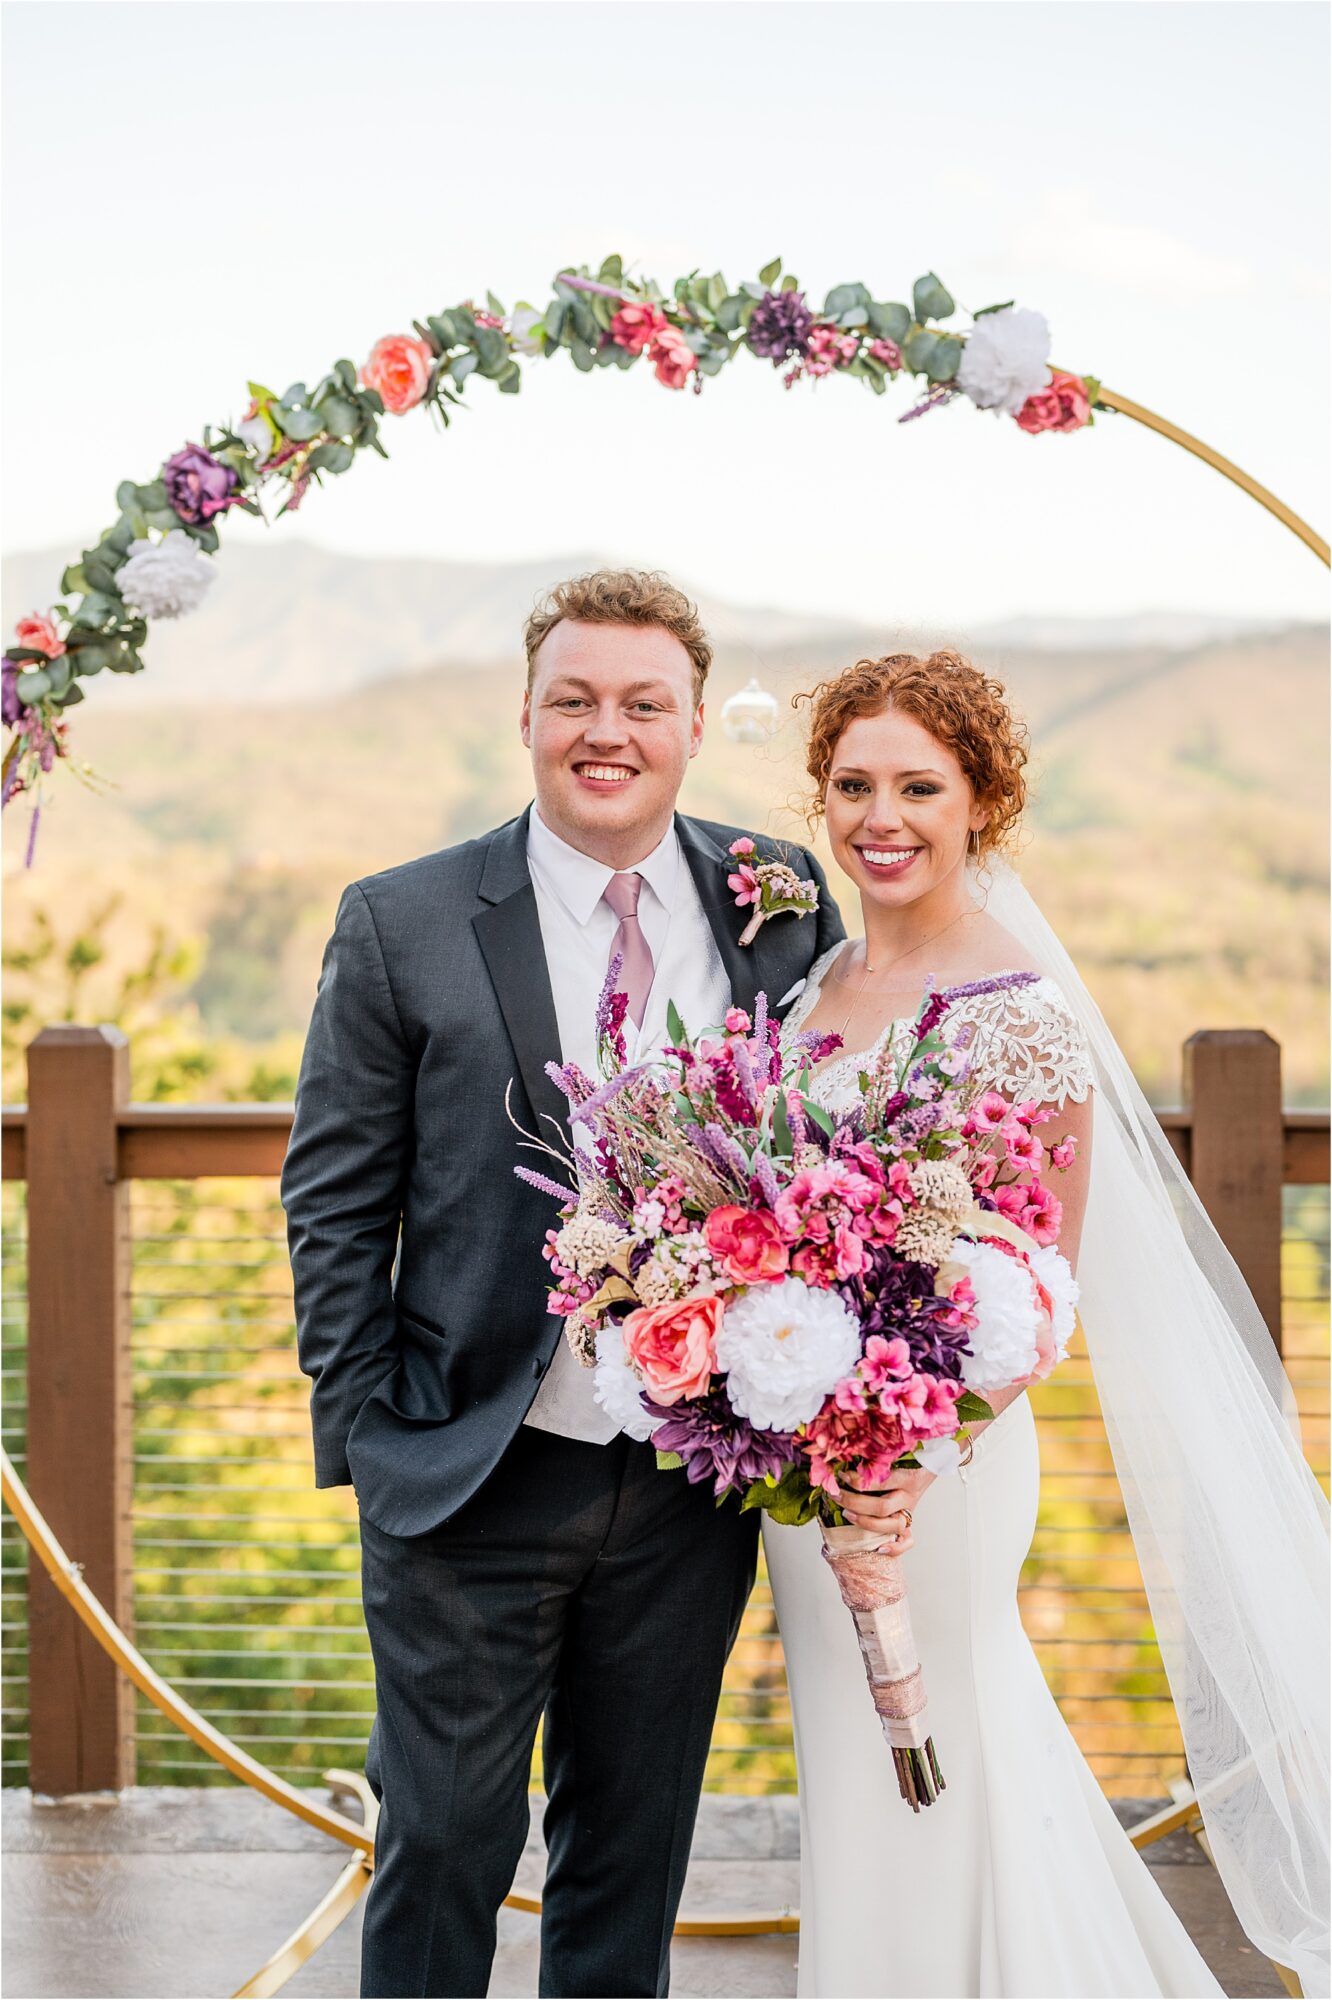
(11, 708)
(197, 485)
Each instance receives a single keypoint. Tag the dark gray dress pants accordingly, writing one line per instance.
(582, 1583)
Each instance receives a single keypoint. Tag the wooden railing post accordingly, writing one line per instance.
(1232, 1084)
(80, 1414)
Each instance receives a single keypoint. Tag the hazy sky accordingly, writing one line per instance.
(200, 193)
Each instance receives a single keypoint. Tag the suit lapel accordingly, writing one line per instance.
(508, 931)
(709, 865)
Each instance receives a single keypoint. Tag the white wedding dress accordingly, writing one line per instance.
(1019, 1880)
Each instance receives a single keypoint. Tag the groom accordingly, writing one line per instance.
(519, 1557)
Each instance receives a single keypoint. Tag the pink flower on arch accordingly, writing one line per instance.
(674, 359)
(1063, 405)
(635, 327)
(399, 367)
(38, 631)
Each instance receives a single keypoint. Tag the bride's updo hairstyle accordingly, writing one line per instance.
(956, 702)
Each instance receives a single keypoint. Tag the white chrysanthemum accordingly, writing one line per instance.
(1006, 359)
(618, 1386)
(1004, 1344)
(165, 579)
(784, 1347)
(1054, 1272)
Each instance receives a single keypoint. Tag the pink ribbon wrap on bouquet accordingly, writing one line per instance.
(874, 1592)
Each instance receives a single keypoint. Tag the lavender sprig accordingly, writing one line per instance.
(730, 1150)
(544, 1184)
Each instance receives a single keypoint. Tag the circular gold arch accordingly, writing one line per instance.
(350, 1885)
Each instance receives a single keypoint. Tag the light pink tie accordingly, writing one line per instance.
(621, 892)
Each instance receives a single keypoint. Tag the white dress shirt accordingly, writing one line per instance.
(577, 930)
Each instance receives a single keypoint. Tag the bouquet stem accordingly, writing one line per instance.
(874, 1593)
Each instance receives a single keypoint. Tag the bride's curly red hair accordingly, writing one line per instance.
(959, 705)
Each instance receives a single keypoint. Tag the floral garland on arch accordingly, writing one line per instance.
(154, 562)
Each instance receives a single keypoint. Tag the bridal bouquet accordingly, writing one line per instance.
(786, 1306)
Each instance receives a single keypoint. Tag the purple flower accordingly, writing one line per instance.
(894, 1296)
(717, 1444)
(197, 485)
(544, 1183)
(11, 708)
(780, 325)
(939, 1003)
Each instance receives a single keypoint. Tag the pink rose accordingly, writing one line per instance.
(636, 327)
(674, 1347)
(1063, 405)
(38, 631)
(399, 367)
(737, 1021)
(747, 1243)
(675, 359)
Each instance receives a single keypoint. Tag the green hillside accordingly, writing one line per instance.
(1177, 838)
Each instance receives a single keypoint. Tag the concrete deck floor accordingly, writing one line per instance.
(184, 1892)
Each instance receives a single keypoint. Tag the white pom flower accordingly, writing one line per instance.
(1055, 1273)
(618, 1386)
(165, 579)
(784, 1347)
(1004, 1344)
(1006, 359)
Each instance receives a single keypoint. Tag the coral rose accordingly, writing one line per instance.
(747, 1243)
(399, 367)
(38, 631)
(675, 359)
(636, 327)
(674, 1346)
(1063, 406)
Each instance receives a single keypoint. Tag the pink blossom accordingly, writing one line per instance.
(865, 1442)
(884, 1361)
(742, 846)
(829, 348)
(1063, 405)
(38, 631)
(1023, 1147)
(737, 1021)
(1063, 1155)
(746, 884)
(1042, 1218)
(636, 326)
(924, 1406)
(961, 1299)
(984, 1170)
(674, 1346)
(1011, 1200)
(888, 352)
(899, 1180)
(746, 1243)
(990, 1113)
(674, 359)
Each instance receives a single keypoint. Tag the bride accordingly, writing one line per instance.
(1019, 1880)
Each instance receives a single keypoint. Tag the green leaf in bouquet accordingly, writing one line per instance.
(510, 378)
(728, 312)
(153, 495)
(463, 365)
(770, 273)
(603, 311)
(33, 685)
(332, 456)
(945, 359)
(818, 1116)
(1001, 307)
(675, 1027)
(127, 495)
(92, 659)
(843, 298)
(611, 272)
(299, 425)
(59, 674)
(932, 299)
(584, 356)
(669, 1461)
(791, 1501)
(97, 606)
(972, 1409)
(346, 374)
(917, 349)
(790, 283)
(782, 1143)
(71, 578)
(340, 416)
(72, 694)
(493, 349)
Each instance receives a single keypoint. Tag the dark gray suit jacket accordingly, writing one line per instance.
(434, 994)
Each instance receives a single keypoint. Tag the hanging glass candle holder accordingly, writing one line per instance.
(751, 715)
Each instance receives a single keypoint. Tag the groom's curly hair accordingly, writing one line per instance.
(623, 597)
(960, 706)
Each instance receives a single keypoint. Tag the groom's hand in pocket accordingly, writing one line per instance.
(881, 1512)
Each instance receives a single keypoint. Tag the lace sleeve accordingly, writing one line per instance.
(1029, 1044)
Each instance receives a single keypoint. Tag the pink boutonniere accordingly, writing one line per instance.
(768, 887)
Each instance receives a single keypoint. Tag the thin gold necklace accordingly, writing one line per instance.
(899, 960)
